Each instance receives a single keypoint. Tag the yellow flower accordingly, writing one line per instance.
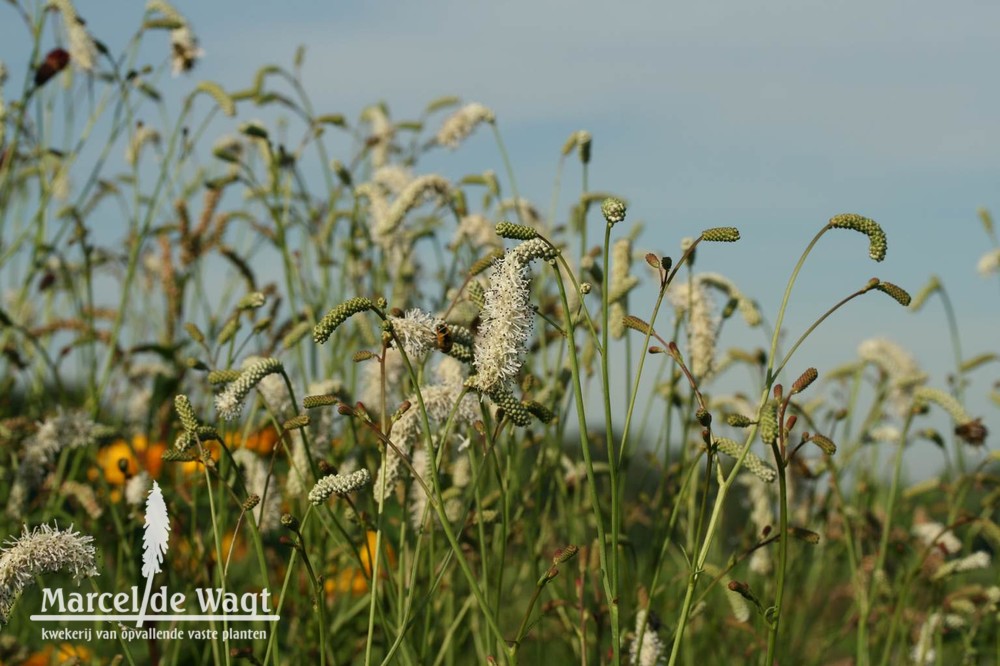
(138, 455)
(354, 581)
(49, 655)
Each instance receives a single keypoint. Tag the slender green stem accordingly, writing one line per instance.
(616, 499)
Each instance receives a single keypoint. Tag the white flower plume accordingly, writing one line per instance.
(154, 542)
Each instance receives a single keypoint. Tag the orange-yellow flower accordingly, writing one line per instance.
(262, 441)
(352, 580)
(139, 455)
(65, 652)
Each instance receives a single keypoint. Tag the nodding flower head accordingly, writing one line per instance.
(229, 403)
(42, 550)
(459, 125)
(877, 243)
(338, 315)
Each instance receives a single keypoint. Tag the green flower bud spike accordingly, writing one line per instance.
(515, 231)
(338, 315)
(877, 243)
(721, 235)
(752, 463)
(769, 423)
(899, 294)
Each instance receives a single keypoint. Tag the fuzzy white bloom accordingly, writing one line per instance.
(989, 263)
(978, 560)
(184, 50)
(947, 402)
(258, 482)
(459, 125)
(899, 366)
(461, 472)
(339, 484)
(382, 133)
(416, 330)
(81, 46)
(478, 231)
(935, 533)
(887, 434)
(762, 516)
(84, 494)
(923, 652)
(65, 430)
(507, 317)
(620, 282)
(507, 324)
(392, 177)
(412, 196)
(652, 652)
(143, 134)
(450, 371)
(702, 326)
(42, 550)
(137, 488)
(378, 204)
(748, 309)
(440, 400)
(370, 381)
(417, 507)
(300, 474)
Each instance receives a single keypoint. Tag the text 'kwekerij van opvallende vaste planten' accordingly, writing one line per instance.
(272, 392)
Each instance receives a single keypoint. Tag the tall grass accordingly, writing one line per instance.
(436, 424)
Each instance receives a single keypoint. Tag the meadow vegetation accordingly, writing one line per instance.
(436, 424)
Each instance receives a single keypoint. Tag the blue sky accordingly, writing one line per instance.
(769, 116)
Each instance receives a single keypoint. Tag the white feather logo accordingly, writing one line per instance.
(154, 542)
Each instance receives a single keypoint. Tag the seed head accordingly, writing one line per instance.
(803, 382)
(339, 484)
(769, 423)
(933, 285)
(721, 235)
(338, 315)
(877, 243)
(824, 443)
(752, 462)
(613, 210)
(898, 293)
(564, 555)
(739, 421)
(42, 550)
(636, 324)
(515, 231)
(186, 413)
(229, 403)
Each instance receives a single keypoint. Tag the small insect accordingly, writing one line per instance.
(443, 337)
